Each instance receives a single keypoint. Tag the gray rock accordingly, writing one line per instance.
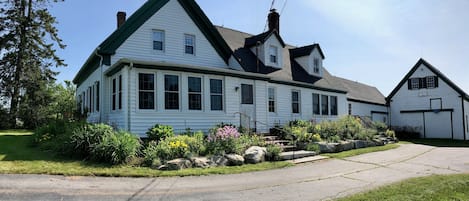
(255, 154)
(345, 146)
(219, 160)
(178, 164)
(379, 142)
(201, 162)
(163, 167)
(325, 147)
(360, 144)
(234, 159)
(370, 144)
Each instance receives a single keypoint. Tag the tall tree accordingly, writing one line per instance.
(27, 40)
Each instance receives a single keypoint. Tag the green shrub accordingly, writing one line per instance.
(390, 133)
(116, 148)
(273, 152)
(223, 140)
(181, 146)
(245, 141)
(55, 136)
(160, 132)
(84, 138)
(312, 147)
(380, 126)
(366, 134)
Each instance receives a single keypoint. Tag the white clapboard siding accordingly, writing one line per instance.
(175, 22)
(366, 109)
(406, 99)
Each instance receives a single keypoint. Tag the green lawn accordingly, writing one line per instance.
(437, 187)
(355, 152)
(18, 157)
(439, 142)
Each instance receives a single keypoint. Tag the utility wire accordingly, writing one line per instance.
(283, 7)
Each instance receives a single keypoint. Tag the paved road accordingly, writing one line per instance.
(323, 180)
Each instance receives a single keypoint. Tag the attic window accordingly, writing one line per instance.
(273, 52)
(189, 41)
(158, 40)
(316, 65)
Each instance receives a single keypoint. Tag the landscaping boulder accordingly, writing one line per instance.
(345, 146)
(360, 144)
(379, 142)
(201, 162)
(219, 160)
(234, 159)
(325, 147)
(370, 143)
(178, 164)
(255, 154)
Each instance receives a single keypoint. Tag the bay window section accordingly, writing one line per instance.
(216, 94)
(120, 92)
(334, 105)
(171, 86)
(114, 89)
(146, 91)
(195, 93)
(324, 105)
(316, 106)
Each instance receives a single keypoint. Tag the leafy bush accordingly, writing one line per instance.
(180, 146)
(245, 141)
(116, 147)
(380, 126)
(224, 141)
(273, 152)
(160, 132)
(390, 133)
(366, 134)
(86, 137)
(55, 136)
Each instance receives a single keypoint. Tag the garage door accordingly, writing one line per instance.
(438, 125)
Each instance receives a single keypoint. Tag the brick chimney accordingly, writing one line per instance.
(274, 20)
(120, 18)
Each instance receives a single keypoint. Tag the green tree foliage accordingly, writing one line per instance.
(28, 39)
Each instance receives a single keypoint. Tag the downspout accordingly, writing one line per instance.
(128, 96)
(100, 84)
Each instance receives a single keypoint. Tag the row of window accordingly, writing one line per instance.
(159, 42)
(88, 100)
(147, 98)
(321, 103)
(428, 82)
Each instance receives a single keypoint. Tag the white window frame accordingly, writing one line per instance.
(178, 91)
(430, 82)
(155, 85)
(414, 83)
(272, 99)
(186, 44)
(223, 105)
(298, 101)
(201, 93)
(163, 43)
(316, 65)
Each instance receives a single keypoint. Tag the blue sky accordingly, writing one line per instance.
(370, 41)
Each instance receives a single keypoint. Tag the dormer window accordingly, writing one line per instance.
(273, 52)
(316, 65)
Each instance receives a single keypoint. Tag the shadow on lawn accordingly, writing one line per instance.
(439, 142)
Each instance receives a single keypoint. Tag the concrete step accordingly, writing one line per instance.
(284, 142)
(269, 137)
(288, 148)
(290, 155)
(308, 159)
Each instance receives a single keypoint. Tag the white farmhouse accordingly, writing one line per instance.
(168, 64)
(427, 102)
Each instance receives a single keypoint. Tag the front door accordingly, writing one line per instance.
(247, 108)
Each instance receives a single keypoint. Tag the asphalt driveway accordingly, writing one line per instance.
(323, 180)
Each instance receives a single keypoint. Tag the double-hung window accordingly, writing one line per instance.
(97, 96)
(271, 94)
(146, 91)
(316, 106)
(247, 94)
(189, 44)
(119, 92)
(216, 94)
(324, 105)
(334, 105)
(114, 90)
(431, 82)
(414, 83)
(171, 86)
(316, 65)
(195, 93)
(158, 40)
(273, 52)
(295, 101)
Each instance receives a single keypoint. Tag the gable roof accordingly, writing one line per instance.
(306, 50)
(359, 92)
(109, 46)
(435, 71)
(252, 41)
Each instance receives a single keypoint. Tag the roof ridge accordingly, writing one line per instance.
(232, 29)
